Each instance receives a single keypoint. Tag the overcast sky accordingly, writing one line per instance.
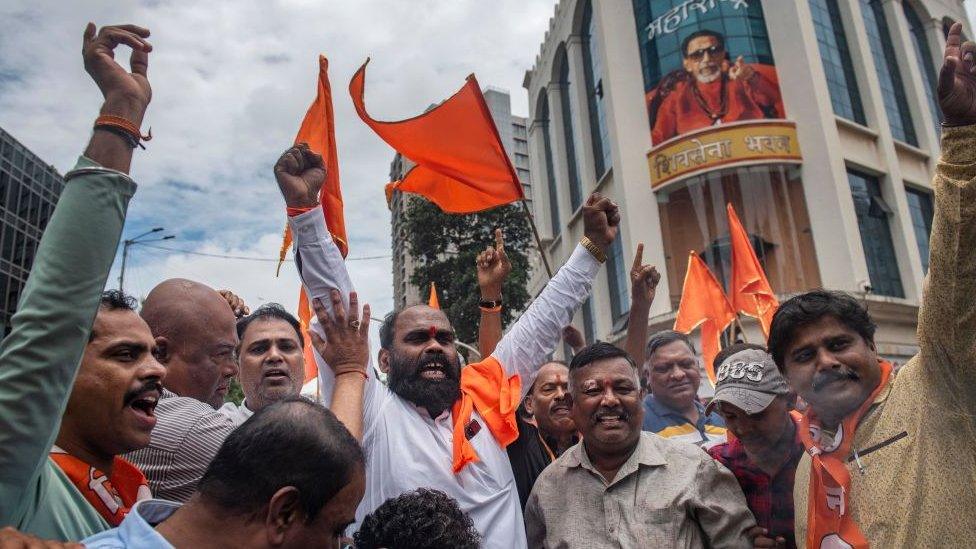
(231, 81)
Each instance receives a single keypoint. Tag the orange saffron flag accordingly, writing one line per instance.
(318, 130)
(432, 301)
(703, 303)
(751, 293)
(461, 164)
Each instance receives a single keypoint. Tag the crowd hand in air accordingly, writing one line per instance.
(300, 173)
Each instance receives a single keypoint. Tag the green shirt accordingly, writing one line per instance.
(42, 354)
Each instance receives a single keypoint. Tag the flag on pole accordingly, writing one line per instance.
(703, 304)
(751, 292)
(461, 164)
(318, 131)
(432, 301)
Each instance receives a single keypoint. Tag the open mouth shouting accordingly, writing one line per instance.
(276, 376)
(142, 405)
(559, 410)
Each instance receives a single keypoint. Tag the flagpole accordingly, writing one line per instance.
(741, 329)
(538, 241)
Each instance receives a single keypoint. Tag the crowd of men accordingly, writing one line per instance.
(114, 430)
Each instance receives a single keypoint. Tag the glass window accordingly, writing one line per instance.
(872, 221)
(923, 55)
(617, 275)
(886, 65)
(769, 201)
(920, 208)
(569, 114)
(594, 93)
(836, 58)
(550, 176)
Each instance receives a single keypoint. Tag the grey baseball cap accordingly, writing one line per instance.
(748, 380)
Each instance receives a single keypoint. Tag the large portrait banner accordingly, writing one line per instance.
(711, 88)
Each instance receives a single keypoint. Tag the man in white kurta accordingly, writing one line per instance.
(406, 448)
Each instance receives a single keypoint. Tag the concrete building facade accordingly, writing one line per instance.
(849, 208)
(29, 190)
(513, 131)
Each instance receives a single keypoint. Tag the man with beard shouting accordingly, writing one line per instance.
(436, 426)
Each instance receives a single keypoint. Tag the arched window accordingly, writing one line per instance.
(542, 118)
(886, 65)
(923, 55)
(836, 58)
(568, 115)
(594, 93)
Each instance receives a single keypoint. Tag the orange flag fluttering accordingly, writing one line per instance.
(751, 293)
(432, 301)
(318, 130)
(703, 303)
(461, 164)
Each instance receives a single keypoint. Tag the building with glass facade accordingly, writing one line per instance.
(29, 190)
(815, 119)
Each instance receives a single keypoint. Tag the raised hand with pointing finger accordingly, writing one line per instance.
(493, 268)
(957, 80)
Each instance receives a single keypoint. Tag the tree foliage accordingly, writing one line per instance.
(444, 247)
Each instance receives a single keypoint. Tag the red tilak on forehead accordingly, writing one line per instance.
(433, 331)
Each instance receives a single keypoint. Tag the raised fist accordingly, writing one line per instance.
(300, 174)
(601, 220)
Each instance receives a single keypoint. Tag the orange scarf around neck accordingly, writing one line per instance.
(828, 504)
(111, 496)
(485, 388)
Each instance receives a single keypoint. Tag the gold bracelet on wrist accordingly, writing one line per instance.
(593, 249)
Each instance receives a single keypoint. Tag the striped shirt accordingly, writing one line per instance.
(184, 441)
(668, 423)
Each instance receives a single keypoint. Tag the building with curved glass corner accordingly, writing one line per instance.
(815, 119)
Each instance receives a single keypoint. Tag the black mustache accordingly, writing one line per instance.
(440, 360)
(822, 379)
(600, 414)
(151, 385)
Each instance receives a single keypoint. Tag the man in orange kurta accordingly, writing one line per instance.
(711, 90)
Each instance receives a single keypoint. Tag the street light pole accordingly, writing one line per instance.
(132, 242)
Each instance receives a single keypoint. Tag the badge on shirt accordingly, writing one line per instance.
(472, 429)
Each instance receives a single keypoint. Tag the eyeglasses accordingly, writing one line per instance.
(712, 51)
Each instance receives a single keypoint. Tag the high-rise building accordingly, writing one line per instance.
(815, 119)
(29, 190)
(513, 132)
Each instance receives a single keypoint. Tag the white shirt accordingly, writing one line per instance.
(406, 449)
(236, 413)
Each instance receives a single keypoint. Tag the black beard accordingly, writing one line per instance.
(434, 396)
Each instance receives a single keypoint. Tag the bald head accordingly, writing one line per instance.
(195, 331)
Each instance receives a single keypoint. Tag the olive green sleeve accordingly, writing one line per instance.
(40, 357)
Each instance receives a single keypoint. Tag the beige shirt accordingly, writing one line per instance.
(919, 489)
(667, 494)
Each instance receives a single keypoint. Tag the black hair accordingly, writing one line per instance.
(117, 300)
(810, 307)
(293, 442)
(665, 337)
(422, 519)
(733, 349)
(269, 311)
(698, 34)
(600, 350)
(386, 330)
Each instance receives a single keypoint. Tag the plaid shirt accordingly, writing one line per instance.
(769, 498)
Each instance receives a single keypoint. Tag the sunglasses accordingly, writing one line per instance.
(712, 51)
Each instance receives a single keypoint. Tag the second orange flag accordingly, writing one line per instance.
(703, 304)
